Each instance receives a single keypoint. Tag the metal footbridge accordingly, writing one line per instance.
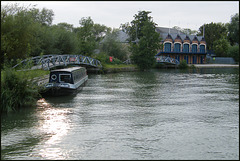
(48, 62)
(167, 60)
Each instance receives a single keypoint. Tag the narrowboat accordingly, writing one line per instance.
(66, 81)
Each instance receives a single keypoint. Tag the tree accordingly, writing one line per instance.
(64, 40)
(44, 17)
(144, 40)
(86, 38)
(220, 47)
(213, 32)
(100, 31)
(112, 47)
(18, 32)
(233, 29)
(89, 35)
(66, 26)
(22, 30)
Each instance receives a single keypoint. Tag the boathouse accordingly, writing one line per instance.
(180, 46)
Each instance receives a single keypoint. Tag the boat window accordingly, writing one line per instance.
(65, 78)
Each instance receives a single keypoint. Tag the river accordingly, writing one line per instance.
(159, 114)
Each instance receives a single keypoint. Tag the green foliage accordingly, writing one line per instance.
(86, 39)
(100, 31)
(89, 35)
(104, 59)
(65, 26)
(44, 17)
(28, 31)
(17, 90)
(183, 64)
(233, 29)
(192, 66)
(47, 41)
(234, 52)
(220, 47)
(31, 74)
(65, 41)
(213, 32)
(15, 29)
(21, 29)
(143, 29)
(115, 61)
(114, 48)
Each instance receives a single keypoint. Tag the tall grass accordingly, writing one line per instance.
(17, 90)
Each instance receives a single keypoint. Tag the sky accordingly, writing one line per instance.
(185, 14)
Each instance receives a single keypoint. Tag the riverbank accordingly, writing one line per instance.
(115, 68)
(121, 69)
(130, 68)
(215, 65)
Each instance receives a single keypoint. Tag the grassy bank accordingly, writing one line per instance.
(113, 68)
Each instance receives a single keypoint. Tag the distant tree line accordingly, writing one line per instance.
(222, 38)
(28, 32)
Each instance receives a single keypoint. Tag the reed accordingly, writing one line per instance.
(17, 90)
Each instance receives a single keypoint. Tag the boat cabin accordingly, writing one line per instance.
(69, 75)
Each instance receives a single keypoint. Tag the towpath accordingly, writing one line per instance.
(216, 65)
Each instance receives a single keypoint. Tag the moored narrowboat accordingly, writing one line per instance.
(66, 81)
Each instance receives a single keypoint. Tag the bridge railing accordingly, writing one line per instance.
(166, 59)
(47, 62)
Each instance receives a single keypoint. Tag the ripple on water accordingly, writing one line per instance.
(152, 115)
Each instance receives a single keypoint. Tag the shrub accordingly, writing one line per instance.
(183, 64)
(102, 57)
(234, 52)
(193, 66)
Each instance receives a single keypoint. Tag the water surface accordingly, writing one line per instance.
(159, 114)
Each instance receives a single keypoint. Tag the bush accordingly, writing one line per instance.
(104, 59)
(234, 52)
(17, 90)
(193, 66)
(183, 64)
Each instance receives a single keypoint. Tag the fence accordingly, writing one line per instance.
(221, 60)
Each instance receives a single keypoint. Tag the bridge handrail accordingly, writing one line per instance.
(47, 60)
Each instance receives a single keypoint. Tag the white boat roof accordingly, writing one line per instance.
(67, 69)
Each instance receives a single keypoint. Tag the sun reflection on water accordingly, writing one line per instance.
(54, 123)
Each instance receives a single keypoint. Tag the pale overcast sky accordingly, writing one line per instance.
(185, 14)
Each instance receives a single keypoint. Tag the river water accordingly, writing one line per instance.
(159, 114)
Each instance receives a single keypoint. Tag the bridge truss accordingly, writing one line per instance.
(48, 62)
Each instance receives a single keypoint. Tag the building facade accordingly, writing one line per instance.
(180, 46)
